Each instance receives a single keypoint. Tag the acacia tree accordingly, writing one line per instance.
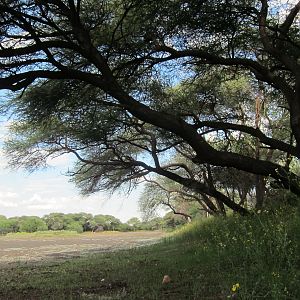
(99, 79)
(163, 195)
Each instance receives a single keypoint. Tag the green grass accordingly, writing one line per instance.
(204, 260)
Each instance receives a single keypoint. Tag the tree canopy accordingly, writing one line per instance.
(127, 86)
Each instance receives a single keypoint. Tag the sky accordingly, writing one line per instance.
(46, 191)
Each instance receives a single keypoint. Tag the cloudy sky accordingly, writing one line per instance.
(48, 191)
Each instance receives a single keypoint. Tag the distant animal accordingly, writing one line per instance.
(98, 228)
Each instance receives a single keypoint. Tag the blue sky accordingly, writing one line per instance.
(49, 190)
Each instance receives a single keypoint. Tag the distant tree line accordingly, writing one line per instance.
(82, 222)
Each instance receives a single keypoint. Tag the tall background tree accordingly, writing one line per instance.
(127, 85)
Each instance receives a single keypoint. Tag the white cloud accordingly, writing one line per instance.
(64, 160)
(3, 160)
(8, 194)
(42, 194)
(47, 191)
(39, 203)
(7, 204)
(46, 207)
(35, 199)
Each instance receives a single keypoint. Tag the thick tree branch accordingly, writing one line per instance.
(284, 28)
(196, 186)
(175, 212)
(206, 200)
(255, 132)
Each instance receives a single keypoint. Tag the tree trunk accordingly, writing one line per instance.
(295, 114)
(260, 182)
(260, 192)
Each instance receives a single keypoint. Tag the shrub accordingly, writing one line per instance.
(75, 226)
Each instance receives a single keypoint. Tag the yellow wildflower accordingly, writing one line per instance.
(235, 287)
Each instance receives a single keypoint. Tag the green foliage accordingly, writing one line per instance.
(124, 227)
(108, 222)
(14, 224)
(134, 223)
(267, 244)
(79, 222)
(75, 226)
(84, 221)
(157, 223)
(165, 194)
(172, 221)
(32, 224)
(8, 225)
(54, 221)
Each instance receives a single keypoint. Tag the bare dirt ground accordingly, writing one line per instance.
(38, 249)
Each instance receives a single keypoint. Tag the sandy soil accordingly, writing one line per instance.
(24, 249)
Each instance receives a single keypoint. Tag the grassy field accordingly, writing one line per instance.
(234, 258)
(49, 246)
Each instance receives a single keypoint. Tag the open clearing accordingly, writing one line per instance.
(205, 260)
(38, 249)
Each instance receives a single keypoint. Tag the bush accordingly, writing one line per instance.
(32, 224)
(260, 252)
(75, 226)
